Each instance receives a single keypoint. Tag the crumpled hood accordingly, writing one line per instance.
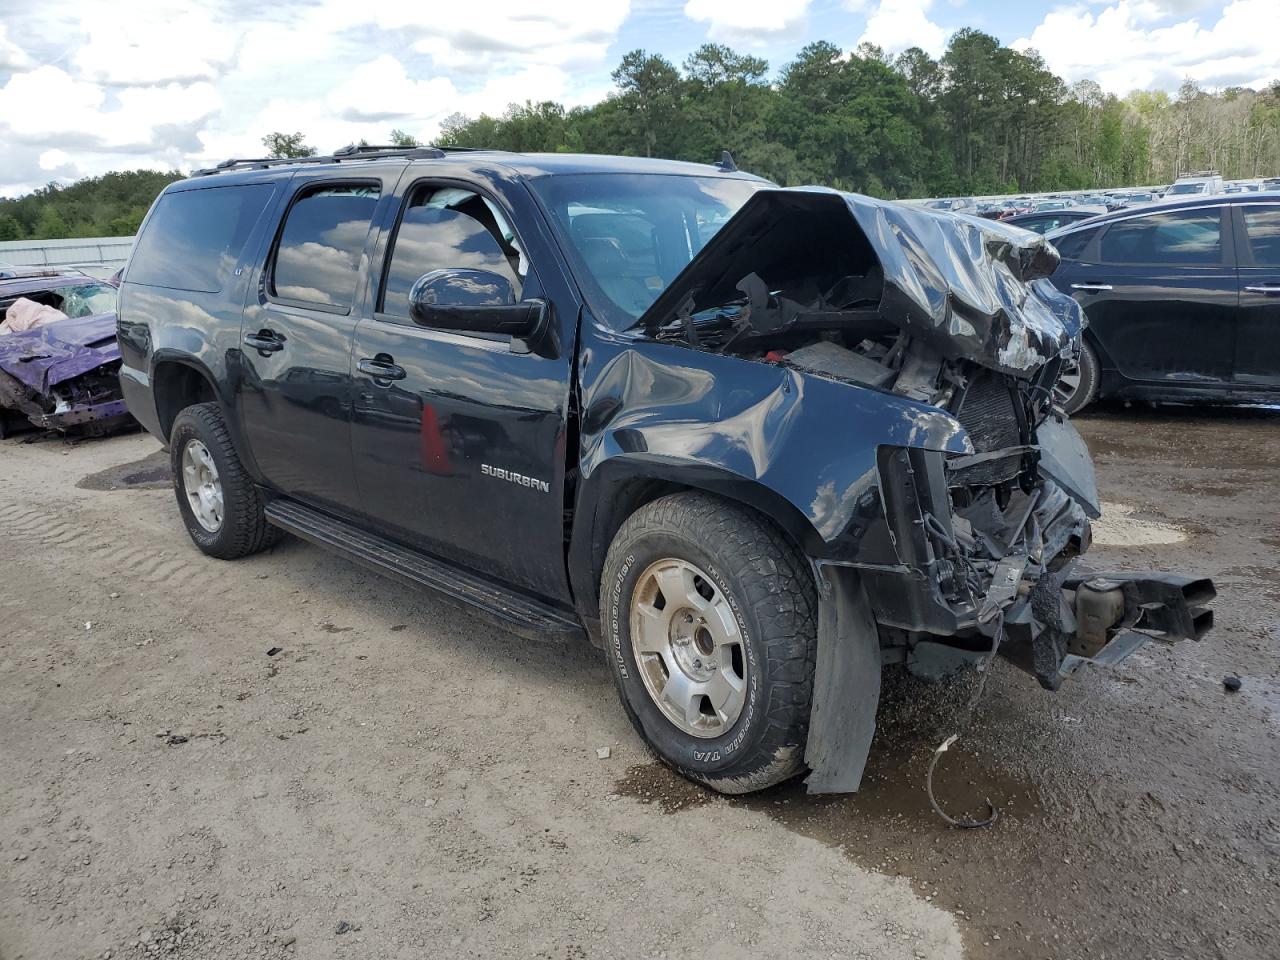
(54, 352)
(970, 288)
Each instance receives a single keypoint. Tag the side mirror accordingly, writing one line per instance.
(473, 301)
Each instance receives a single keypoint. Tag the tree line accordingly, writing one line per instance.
(981, 119)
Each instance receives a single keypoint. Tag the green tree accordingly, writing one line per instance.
(284, 145)
(10, 228)
(51, 226)
(401, 139)
(649, 95)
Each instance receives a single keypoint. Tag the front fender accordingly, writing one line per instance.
(800, 448)
(808, 441)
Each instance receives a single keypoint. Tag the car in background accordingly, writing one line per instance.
(1042, 221)
(1135, 197)
(62, 374)
(1182, 300)
(1270, 183)
(1200, 184)
(953, 204)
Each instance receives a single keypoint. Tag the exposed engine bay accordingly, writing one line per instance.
(956, 314)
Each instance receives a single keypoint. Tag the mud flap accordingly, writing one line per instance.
(846, 685)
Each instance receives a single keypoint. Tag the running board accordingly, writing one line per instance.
(499, 605)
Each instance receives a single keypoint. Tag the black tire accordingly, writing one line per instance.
(244, 529)
(1090, 376)
(770, 590)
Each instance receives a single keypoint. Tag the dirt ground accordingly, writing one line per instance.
(400, 780)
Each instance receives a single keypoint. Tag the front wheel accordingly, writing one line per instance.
(711, 635)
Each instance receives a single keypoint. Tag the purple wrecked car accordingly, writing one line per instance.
(62, 375)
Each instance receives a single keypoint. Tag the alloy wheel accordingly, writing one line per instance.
(688, 648)
(201, 485)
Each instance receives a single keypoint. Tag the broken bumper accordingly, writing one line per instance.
(1053, 629)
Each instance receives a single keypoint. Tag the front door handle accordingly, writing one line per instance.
(380, 368)
(1091, 287)
(1265, 288)
(265, 341)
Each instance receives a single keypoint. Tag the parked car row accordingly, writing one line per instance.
(1201, 183)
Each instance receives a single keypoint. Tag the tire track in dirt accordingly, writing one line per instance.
(114, 557)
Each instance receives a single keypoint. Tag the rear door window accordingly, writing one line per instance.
(1176, 238)
(1262, 224)
(317, 260)
(194, 238)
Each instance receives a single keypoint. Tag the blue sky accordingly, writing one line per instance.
(88, 86)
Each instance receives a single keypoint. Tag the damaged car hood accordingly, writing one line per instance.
(972, 289)
(54, 352)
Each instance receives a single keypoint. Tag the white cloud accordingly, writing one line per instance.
(48, 106)
(503, 34)
(1131, 45)
(54, 159)
(382, 90)
(896, 25)
(747, 21)
(12, 56)
(152, 43)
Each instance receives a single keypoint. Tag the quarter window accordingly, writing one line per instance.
(318, 257)
(1071, 245)
(1263, 227)
(1185, 237)
(194, 238)
(445, 228)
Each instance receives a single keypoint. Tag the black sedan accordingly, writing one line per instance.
(1182, 299)
(1042, 221)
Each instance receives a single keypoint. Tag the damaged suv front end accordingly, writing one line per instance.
(908, 419)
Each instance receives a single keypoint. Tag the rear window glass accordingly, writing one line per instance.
(1184, 237)
(1263, 225)
(318, 257)
(195, 237)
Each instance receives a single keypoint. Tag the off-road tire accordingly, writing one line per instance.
(1090, 377)
(244, 528)
(771, 591)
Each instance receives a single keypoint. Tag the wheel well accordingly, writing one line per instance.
(621, 499)
(176, 387)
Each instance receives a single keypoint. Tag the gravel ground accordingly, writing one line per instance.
(400, 780)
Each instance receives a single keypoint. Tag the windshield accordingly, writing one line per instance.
(630, 234)
(85, 300)
(1186, 188)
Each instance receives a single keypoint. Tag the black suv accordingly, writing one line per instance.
(1182, 300)
(754, 443)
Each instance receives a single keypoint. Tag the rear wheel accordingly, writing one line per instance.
(220, 505)
(1077, 385)
(711, 629)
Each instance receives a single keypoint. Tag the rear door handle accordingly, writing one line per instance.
(265, 341)
(380, 369)
(1265, 288)
(1091, 287)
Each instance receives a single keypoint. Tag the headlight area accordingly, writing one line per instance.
(987, 547)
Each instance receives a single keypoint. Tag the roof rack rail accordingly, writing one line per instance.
(350, 152)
